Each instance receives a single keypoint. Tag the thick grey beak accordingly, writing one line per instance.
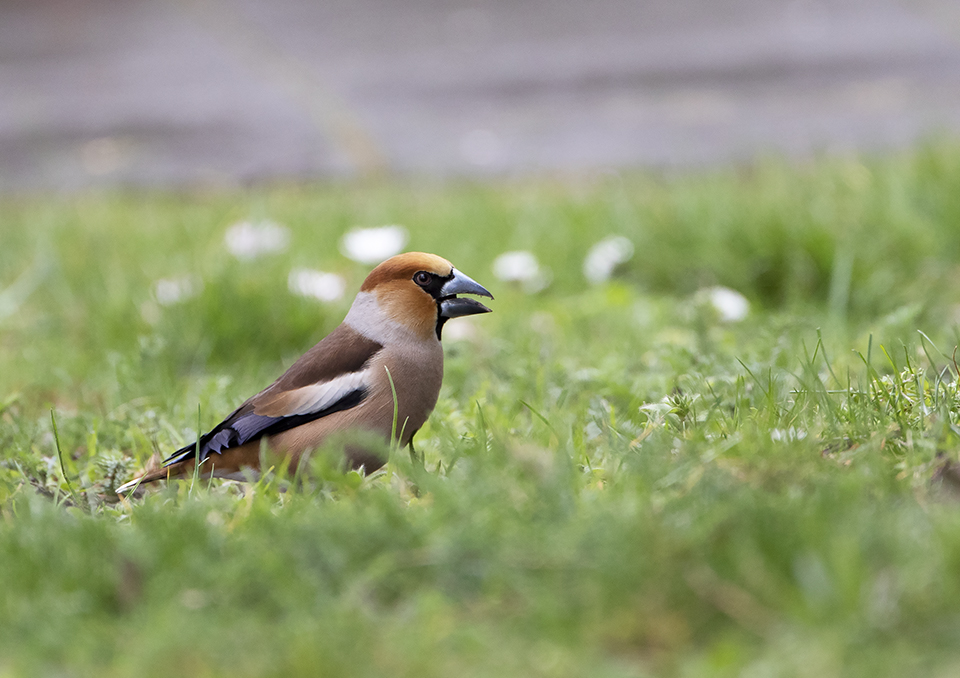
(452, 306)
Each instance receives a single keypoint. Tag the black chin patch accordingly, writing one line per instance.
(441, 320)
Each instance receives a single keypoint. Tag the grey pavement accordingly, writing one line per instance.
(198, 92)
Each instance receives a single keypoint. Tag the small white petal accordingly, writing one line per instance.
(790, 434)
(248, 240)
(592, 431)
(168, 291)
(306, 282)
(516, 266)
(730, 304)
(461, 330)
(605, 256)
(540, 282)
(521, 266)
(373, 245)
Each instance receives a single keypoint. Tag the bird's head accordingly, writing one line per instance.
(419, 291)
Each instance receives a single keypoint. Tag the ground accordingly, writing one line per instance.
(634, 476)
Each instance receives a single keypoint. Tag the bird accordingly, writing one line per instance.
(377, 374)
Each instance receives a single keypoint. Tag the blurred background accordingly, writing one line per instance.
(132, 92)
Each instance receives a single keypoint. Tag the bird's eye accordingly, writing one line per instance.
(422, 278)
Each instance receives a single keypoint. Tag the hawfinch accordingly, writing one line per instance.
(389, 342)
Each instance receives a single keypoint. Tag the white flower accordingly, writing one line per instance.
(462, 330)
(373, 245)
(521, 267)
(516, 266)
(605, 256)
(169, 291)
(248, 240)
(306, 282)
(730, 304)
(792, 433)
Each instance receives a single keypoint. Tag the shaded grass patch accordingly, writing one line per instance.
(615, 482)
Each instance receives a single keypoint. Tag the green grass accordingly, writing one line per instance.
(614, 483)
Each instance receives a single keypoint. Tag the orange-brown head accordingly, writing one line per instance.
(418, 291)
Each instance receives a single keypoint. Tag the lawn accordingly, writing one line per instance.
(621, 478)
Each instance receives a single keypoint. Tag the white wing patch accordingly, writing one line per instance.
(318, 397)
